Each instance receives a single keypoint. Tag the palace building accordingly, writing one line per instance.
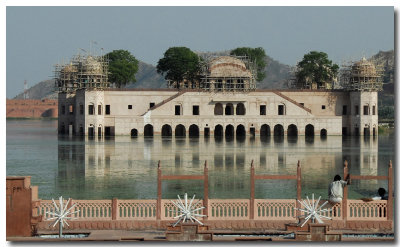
(224, 102)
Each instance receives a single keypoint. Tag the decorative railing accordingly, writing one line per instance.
(218, 209)
(282, 209)
(360, 210)
(137, 209)
(237, 209)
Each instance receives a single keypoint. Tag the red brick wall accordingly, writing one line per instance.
(32, 108)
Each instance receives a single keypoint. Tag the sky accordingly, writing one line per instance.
(37, 38)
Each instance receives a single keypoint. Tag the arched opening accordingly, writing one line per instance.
(309, 130)
(62, 130)
(218, 109)
(229, 130)
(81, 130)
(265, 130)
(134, 133)
(166, 130)
(240, 130)
(324, 133)
(229, 109)
(240, 109)
(292, 130)
(218, 131)
(148, 130)
(194, 131)
(278, 130)
(180, 130)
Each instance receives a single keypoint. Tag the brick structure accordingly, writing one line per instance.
(32, 108)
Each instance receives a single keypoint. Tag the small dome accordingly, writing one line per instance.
(91, 65)
(227, 66)
(363, 68)
(69, 68)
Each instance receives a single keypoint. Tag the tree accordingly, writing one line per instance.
(316, 68)
(179, 64)
(122, 67)
(255, 54)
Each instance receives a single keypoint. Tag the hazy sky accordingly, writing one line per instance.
(39, 37)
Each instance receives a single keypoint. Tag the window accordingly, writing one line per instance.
(81, 109)
(71, 109)
(63, 109)
(91, 109)
(366, 110)
(99, 109)
(152, 104)
(130, 107)
(302, 104)
(323, 107)
(281, 110)
(344, 111)
(356, 110)
(177, 110)
(263, 110)
(108, 110)
(196, 110)
(373, 110)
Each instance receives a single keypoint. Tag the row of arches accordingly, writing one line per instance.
(194, 131)
(229, 109)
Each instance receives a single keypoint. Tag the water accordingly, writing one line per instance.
(126, 168)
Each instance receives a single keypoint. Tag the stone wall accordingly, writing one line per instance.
(32, 108)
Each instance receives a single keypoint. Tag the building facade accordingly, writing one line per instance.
(224, 104)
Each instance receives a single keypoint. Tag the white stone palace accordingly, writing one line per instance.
(225, 102)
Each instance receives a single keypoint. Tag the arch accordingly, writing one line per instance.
(219, 130)
(180, 130)
(62, 130)
(240, 130)
(229, 130)
(278, 130)
(148, 130)
(292, 130)
(194, 131)
(240, 109)
(218, 109)
(324, 132)
(265, 130)
(229, 109)
(309, 130)
(166, 130)
(134, 133)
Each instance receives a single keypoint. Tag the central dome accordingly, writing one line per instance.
(227, 66)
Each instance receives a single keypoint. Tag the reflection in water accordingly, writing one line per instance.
(133, 164)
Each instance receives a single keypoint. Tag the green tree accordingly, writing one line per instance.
(316, 67)
(255, 54)
(122, 67)
(179, 64)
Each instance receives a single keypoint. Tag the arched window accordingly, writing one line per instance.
(218, 109)
(324, 132)
(148, 130)
(229, 130)
(309, 130)
(218, 131)
(240, 109)
(180, 130)
(292, 130)
(229, 109)
(278, 130)
(134, 133)
(166, 130)
(194, 131)
(240, 130)
(265, 130)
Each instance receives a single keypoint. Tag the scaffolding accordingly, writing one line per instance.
(82, 72)
(226, 82)
(361, 76)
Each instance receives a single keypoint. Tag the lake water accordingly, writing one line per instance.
(126, 168)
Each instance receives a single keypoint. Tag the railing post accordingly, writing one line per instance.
(159, 189)
(205, 199)
(390, 193)
(344, 201)
(114, 209)
(252, 189)
(298, 196)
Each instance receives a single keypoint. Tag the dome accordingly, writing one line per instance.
(91, 65)
(227, 66)
(363, 68)
(69, 69)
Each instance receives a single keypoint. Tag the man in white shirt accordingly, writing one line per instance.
(335, 191)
